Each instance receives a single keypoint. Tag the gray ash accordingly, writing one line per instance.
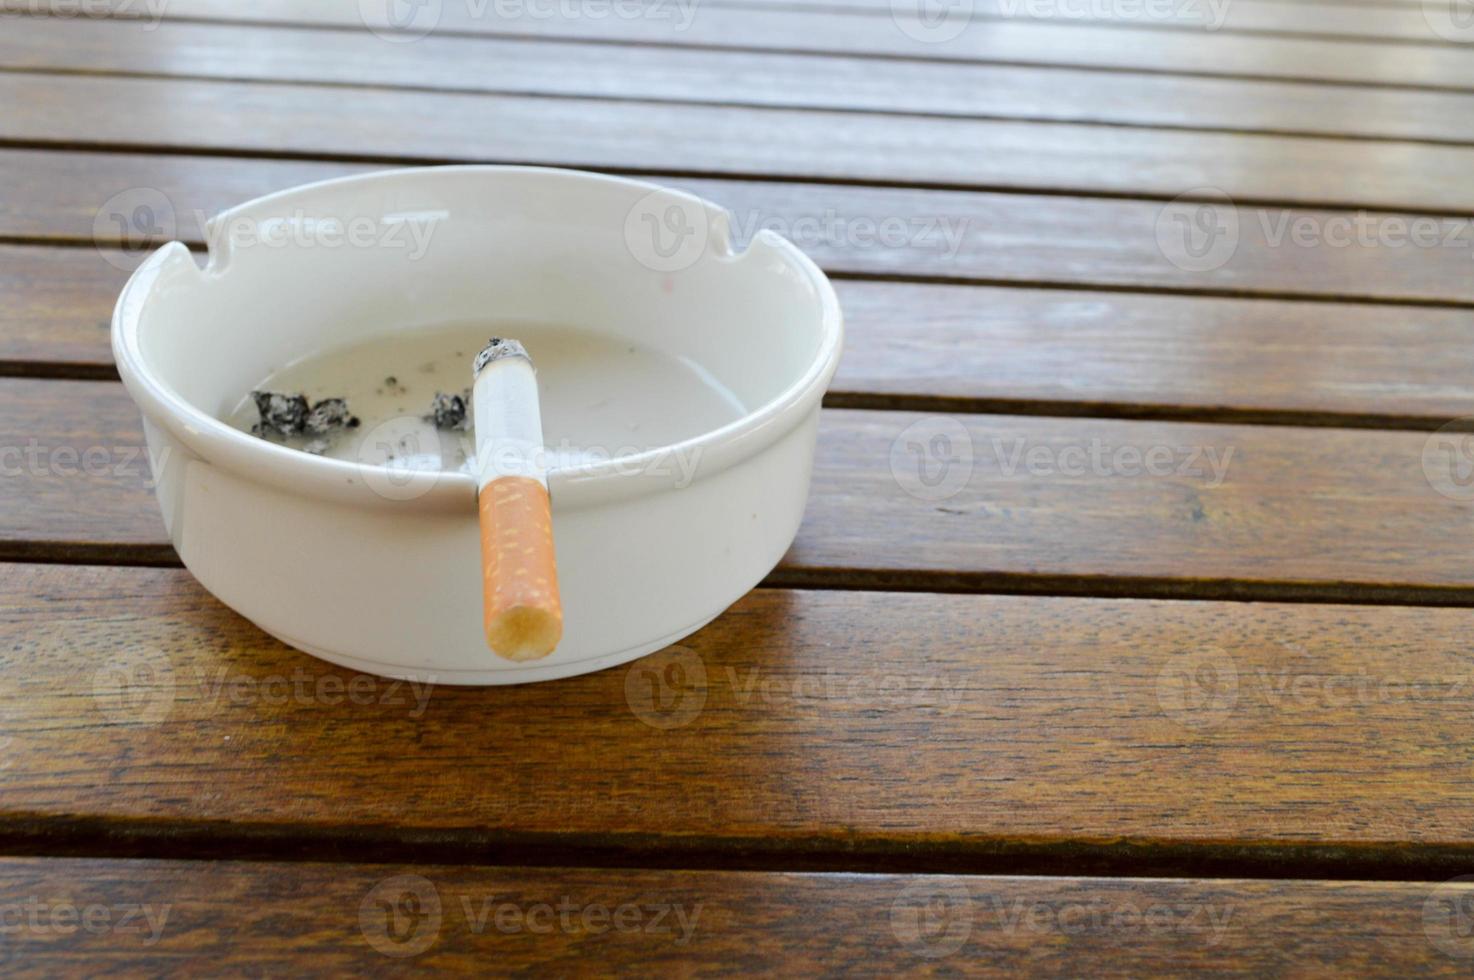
(495, 349)
(327, 415)
(449, 411)
(287, 416)
(282, 415)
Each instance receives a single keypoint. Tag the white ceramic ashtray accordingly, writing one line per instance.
(680, 384)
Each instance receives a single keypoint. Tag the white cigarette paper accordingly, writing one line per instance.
(523, 614)
(506, 415)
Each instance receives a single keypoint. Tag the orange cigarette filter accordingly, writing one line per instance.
(522, 611)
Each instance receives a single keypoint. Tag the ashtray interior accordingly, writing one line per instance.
(631, 357)
(601, 397)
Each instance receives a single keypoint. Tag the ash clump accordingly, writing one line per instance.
(281, 415)
(287, 416)
(329, 414)
(450, 412)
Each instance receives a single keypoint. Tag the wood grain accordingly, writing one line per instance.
(74, 456)
(1016, 41)
(495, 65)
(235, 918)
(844, 727)
(1080, 352)
(1242, 16)
(1371, 3)
(981, 349)
(865, 231)
(234, 117)
(971, 501)
(56, 308)
(1251, 18)
(799, 730)
(73, 196)
(1067, 504)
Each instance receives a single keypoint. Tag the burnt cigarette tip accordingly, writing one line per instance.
(525, 633)
(496, 349)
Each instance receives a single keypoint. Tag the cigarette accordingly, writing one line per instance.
(522, 613)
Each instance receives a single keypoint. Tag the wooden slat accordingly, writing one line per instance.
(92, 479)
(800, 729)
(56, 308)
(1416, 4)
(1251, 18)
(1017, 41)
(1236, 16)
(62, 194)
(1358, 3)
(983, 348)
(1049, 503)
(276, 119)
(948, 235)
(1290, 508)
(521, 66)
(1081, 352)
(188, 919)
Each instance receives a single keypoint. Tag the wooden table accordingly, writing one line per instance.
(1129, 628)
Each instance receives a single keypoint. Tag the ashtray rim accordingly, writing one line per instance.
(339, 480)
